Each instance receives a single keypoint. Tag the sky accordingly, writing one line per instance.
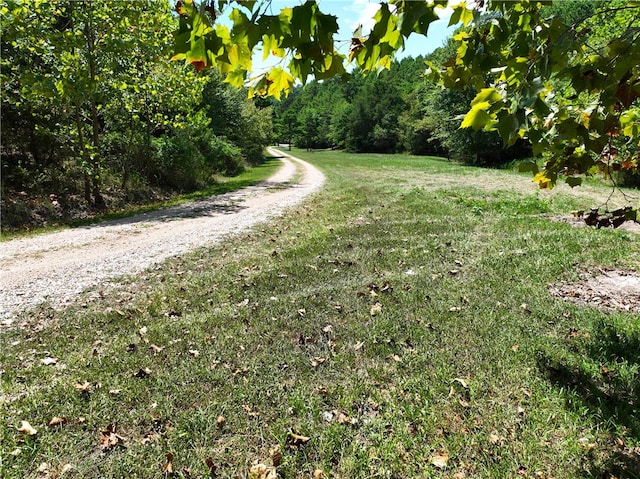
(352, 13)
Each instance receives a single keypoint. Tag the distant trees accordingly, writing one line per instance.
(397, 110)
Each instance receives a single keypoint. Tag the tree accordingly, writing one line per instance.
(515, 55)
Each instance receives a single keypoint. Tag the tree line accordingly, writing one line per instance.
(395, 111)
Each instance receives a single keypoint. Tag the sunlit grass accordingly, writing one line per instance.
(399, 321)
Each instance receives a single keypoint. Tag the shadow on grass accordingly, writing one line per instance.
(604, 374)
(189, 205)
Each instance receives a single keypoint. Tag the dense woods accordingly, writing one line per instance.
(95, 115)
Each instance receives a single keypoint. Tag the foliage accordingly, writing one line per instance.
(570, 86)
(93, 106)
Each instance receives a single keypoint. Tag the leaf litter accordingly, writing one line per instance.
(604, 289)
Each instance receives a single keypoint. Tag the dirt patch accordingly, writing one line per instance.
(603, 288)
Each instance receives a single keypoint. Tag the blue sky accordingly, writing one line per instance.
(352, 13)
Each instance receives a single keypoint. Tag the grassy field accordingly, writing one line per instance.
(396, 325)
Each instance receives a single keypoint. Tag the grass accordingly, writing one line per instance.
(400, 320)
(223, 184)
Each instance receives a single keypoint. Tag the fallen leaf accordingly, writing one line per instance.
(495, 439)
(109, 439)
(84, 386)
(327, 329)
(328, 416)
(143, 333)
(211, 465)
(155, 349)
(168, 467)
(57, 421)
(276, 455)
(194, 352)
(318, 474)
(376, 308)
(453, 272)
(455, 309)
(317, 361)
(396, 358)
(514, 348)
(220, 421)
(26, 428)
(48, 361)
(440, 459)
(358, 346)
(462, 382)
(295, 441)
(142, 373)
(262, 471)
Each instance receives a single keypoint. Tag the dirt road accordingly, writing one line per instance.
(56, 267)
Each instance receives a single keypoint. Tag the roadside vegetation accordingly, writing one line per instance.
(397, 325)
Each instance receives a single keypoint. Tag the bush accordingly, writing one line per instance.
(220, 155)
(177, 163)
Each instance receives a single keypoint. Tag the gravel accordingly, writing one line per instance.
(55, 268)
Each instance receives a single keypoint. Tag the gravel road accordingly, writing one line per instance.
(57, 267)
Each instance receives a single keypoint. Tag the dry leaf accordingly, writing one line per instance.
(211, 465)
(295, 441)
(65, 468)
(194, 352)
(26, 428)
(109, 439)
(276, 455)
(142, 373)
(396, 358)
(318, 474)
(48, 361)
(440, 459)
(495, 439)
(220, 421)
(317, 361)
(376, 308)
(57, 421)
(168, 467)
(358, 346)
(143, 333)
(327, 329)
(460, 381)
(262, 471)
(84, 386)
(155, 349)
(514, 348)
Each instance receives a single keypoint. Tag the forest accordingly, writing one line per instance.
(96, 115)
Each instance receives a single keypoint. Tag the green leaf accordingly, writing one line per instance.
(477, 117)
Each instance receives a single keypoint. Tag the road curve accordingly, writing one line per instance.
(56, 267)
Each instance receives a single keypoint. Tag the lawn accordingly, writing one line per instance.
(398, 324)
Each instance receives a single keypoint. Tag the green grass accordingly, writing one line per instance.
(224, 184)
(467, 354)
